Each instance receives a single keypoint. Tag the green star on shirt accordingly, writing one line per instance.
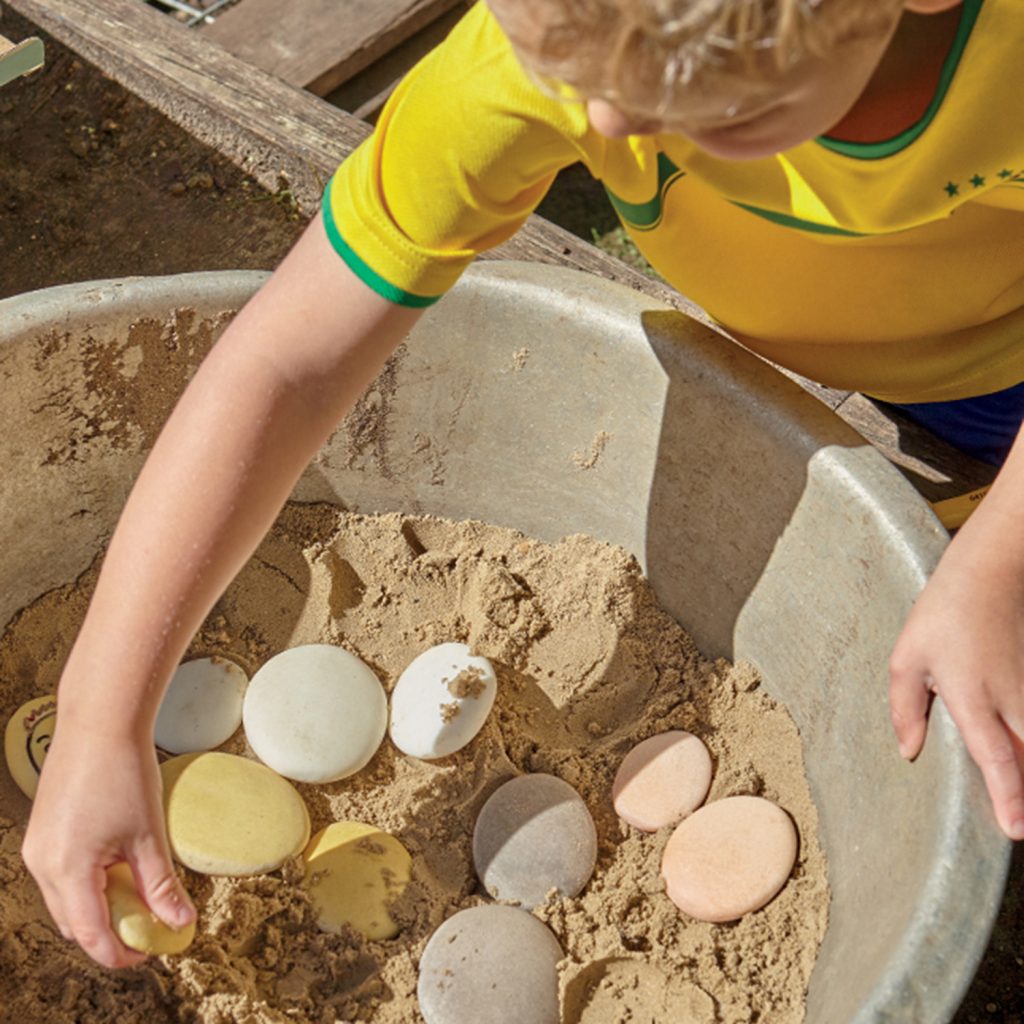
(953, 190)
(1004, 173)
(977, 181)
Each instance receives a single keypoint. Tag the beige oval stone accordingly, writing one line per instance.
(729, 858)
(662, 780)
(354, 872)
(228, 815)
(27, 741)
(135, 924)
(490, 965)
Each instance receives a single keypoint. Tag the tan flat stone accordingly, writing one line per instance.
(353, 873)
(228, 815)
(135, 924)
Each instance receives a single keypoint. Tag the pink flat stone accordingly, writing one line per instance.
(729, 858)
(662, 780)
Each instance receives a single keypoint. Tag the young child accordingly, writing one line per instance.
(839, 182)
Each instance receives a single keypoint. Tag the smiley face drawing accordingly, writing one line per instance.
(27, 741)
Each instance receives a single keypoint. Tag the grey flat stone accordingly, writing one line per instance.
(490, 965)
(534, 835)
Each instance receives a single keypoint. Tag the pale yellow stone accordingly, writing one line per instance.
(353, 873)
(228, 815)
(27, 741)
(135, 924)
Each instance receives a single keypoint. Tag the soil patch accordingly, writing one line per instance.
(96, 184)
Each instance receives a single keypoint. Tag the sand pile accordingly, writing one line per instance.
(587, 663)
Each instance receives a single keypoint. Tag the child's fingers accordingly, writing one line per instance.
(85, 907)
(909, 699)
(989, 741)
(158, 883)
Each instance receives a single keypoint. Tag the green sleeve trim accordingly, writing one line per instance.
(880, 150)
(363, 270)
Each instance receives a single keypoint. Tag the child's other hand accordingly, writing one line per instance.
(964, 640)
(99, 802)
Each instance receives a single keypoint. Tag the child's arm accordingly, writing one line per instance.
(964, 640)
(286, 370)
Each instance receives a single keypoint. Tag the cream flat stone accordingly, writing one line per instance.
(27, 741)
(315, 713)
(202, 707)
(228, 815)
(729, 858)
(441, 701)
(662, 780)
(135, 924)
(354, 872)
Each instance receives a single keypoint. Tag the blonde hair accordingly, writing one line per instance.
(640, 52)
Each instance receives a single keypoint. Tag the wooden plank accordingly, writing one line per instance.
(365, 93)
(937, 469)
(279, 133)
(826, 395)
(318, 44)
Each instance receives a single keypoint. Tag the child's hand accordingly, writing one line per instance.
(99, 802)
(964, 640)
(278, 381)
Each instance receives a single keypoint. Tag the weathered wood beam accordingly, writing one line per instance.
(318, 44)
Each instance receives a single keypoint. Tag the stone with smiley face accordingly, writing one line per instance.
(27, 741)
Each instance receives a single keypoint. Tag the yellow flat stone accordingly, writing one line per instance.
(135, 924)
(353, 873)
(227, 815)
(27, 741)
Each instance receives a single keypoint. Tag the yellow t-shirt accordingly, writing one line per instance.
(893, 268)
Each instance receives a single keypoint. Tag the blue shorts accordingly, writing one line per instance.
(984, 427)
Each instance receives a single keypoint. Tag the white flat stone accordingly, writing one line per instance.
(441, 701)
(202, 707)
(315, 713)
(490, 965)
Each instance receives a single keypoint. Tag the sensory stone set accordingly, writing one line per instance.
(317, 714)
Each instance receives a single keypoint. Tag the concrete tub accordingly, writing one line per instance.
(555, 403)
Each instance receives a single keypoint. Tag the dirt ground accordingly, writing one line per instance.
(94, 184)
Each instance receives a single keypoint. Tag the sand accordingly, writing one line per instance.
(587, 664)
